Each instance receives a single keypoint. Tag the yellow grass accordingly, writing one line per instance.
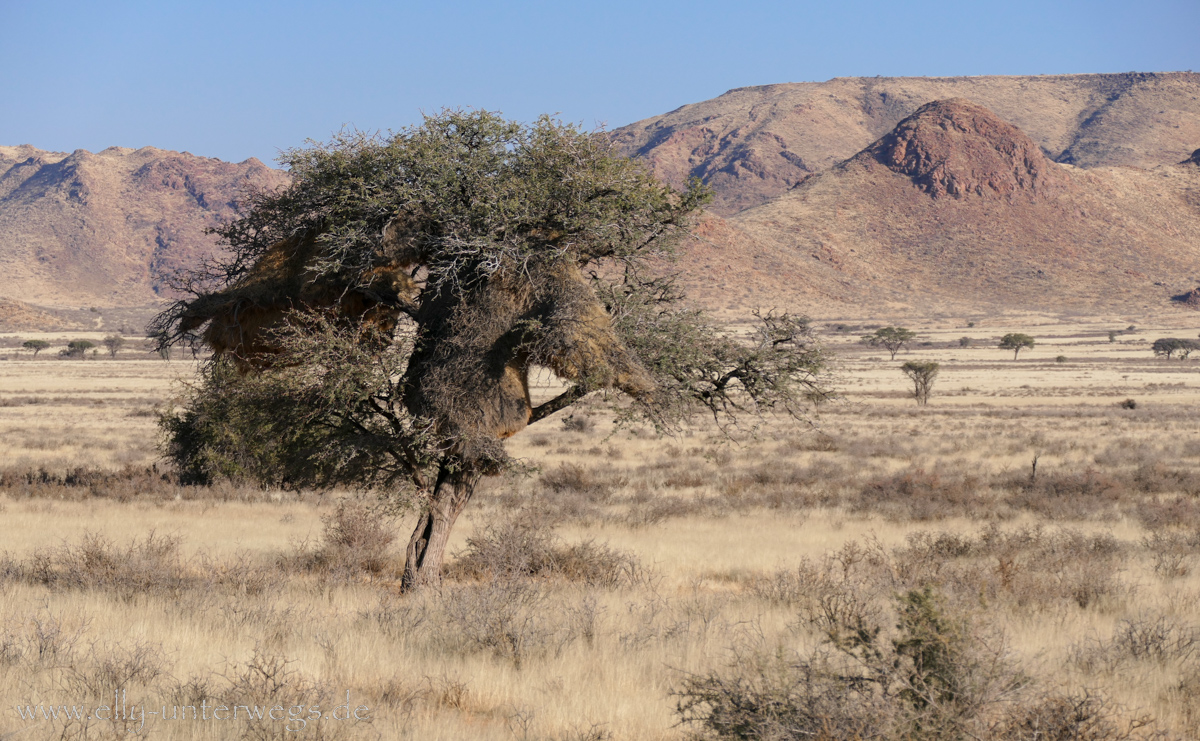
(729, 525)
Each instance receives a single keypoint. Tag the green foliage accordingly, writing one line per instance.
(470, 192)
(923, 374)
(1168, 346)
(36, 345)
(488, 210)
(77, 349)
(329, 414)
(1016, 342)
(892, 338)
(933, 677)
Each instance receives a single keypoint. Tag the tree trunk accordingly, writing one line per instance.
(427, 546)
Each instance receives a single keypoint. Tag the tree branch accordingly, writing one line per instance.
(558, 403)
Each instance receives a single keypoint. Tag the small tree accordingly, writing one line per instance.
(77, 349)
(1169, 346)
(113, 342)
(1016, 342)
(36, 345)
(923, 374)
(892, 338)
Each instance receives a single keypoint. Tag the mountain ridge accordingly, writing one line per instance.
(751, 144)
(109, 228)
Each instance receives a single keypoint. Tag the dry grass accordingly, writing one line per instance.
(589, 600)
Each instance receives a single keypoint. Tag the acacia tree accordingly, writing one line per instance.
(1169, 346)
(923, 374)
(892, 338)
(36, 345)
(77, 349)
(376, 321)
(113, 342)
(1016, 342)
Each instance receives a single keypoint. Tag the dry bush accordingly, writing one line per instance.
(1161, 640)
(268, 680)
(513, 619)
(40, 640)
(921, 496)
(124, 485)
(141, 569)
(1032, 567)
(357, 537)
(109, 668)
(1177, 512)
(937, 675)
(571, 479)
(525, 546)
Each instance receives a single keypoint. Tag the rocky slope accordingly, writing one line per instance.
(106, 229)
(752, 144)
(956, 210)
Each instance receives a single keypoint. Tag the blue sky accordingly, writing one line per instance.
(236, 80)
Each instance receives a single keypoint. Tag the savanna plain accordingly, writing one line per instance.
(1018, 559)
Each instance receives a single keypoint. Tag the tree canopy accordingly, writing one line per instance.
(892, 338)
(36, 345)
(1016, 342)
(1169, 346)
(922, 374)
(376, 321)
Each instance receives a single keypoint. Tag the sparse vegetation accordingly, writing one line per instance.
(993, 598)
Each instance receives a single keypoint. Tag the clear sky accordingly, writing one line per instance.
(245, 79)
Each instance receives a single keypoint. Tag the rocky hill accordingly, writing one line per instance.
(956, 210)
(106, 229)
(853, 197)
(752, 144)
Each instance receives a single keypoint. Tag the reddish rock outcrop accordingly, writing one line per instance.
(959, 148)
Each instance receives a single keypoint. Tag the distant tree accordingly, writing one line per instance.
(1016, 342)
(1169, 346)
(964, 341)
(36, 345)
(923, 374)
(77, 349)
(1112, 336)
(113, 342)
(892, 338)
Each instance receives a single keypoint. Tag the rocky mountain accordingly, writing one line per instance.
(106, 229)
(957, 210)
(752, 144)
(852, 197)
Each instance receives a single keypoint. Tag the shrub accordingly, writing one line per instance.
(356, 537)
(523, 546)
(578, 423)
